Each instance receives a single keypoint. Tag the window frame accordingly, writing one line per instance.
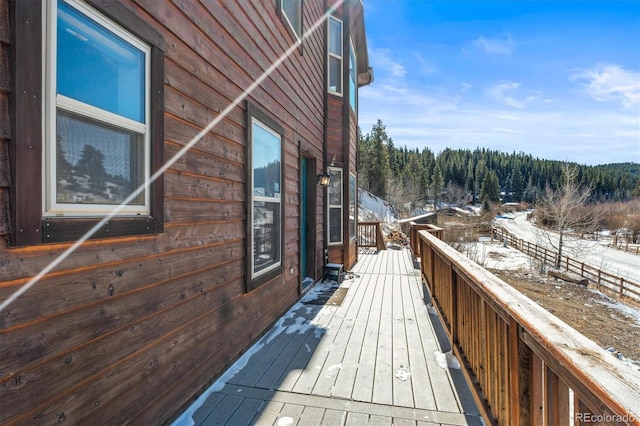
(29, 224)
(256, 279)
(336, 182)
(353, 77)
(331, 55)
(55, 102)
(353, 206)
(295, 32)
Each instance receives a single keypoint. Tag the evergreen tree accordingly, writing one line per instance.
(437, 184)
(524, 176)
(490, 191)
(636, 190)
(380, 170)
(517, 184)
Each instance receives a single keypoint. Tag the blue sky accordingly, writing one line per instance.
(556, 79)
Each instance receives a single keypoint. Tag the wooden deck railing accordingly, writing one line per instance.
(370, 235)
(622, 286)
(524, 365)
(413, 237)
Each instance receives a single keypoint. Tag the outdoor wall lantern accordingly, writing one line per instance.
(324, 180)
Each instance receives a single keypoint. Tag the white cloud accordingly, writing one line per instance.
(423, 65)
(429, 118)
(607, 82)
(382, 63)
(506, 91)
(397, 96)
(494, 46)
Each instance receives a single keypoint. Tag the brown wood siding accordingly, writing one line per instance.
(6, 82)
(352, 255)
(335, 130)
(130, 329)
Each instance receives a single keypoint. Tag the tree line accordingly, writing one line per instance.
(403, 175)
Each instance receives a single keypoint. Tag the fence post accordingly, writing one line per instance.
(621, 286)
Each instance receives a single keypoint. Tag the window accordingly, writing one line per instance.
(292, 12)
(99, 130)
(335, 206)
(335, 56)
(265, 214)
(97, 139)
(353, 78)
(353, 211)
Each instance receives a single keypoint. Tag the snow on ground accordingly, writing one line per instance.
(496, 256)
(373, 208)
(594, 253)
(626, 311)
(290, 323)
(493, 255)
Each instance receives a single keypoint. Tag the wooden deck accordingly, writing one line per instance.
(361, 355)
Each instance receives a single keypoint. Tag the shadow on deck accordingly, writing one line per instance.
(365, 352)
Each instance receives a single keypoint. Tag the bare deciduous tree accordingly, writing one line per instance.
(562, 210)
(454, 194)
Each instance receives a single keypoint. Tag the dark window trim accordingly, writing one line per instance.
(287, 25)
(253, 111)
(28, 227)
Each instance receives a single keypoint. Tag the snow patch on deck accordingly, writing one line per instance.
(446, 360)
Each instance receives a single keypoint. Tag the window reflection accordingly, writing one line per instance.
(89, 53)
(266, 234)
(96, 163)
(266, 155)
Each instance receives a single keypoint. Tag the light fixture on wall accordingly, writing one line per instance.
(324, 180)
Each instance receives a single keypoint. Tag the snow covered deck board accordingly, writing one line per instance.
(370, 359)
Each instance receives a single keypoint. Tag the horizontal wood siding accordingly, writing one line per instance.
(6, 82)
(335, 130)
(131, 329)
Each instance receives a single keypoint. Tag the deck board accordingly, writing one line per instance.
(368, 361)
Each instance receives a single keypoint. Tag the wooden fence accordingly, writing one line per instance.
(614, 283)
(524, 365)
(627, 247)
(370, 235)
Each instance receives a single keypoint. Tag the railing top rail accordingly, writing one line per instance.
(612, 381)
(426, 226)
